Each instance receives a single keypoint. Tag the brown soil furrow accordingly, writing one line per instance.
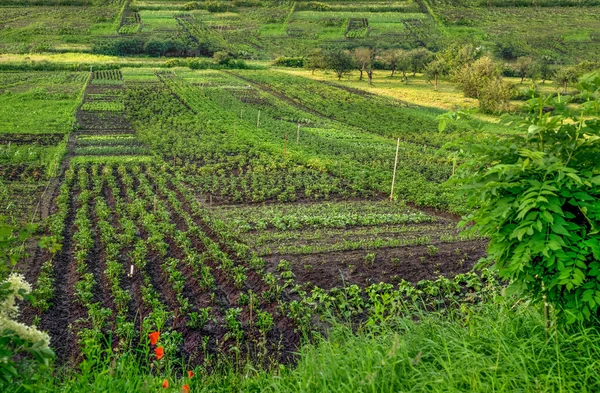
(57, 319)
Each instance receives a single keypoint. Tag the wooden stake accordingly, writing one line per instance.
(395, 166)
(241, 114)
(258, 120)
(298, 134)
(210, 201)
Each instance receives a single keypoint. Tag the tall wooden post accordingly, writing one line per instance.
(258, 120)
(395, 166)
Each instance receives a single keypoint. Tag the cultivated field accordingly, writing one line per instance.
(224, 209)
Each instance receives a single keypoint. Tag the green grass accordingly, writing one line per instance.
(499, 346)
(41, 102)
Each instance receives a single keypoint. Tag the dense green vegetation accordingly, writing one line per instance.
(249, 195)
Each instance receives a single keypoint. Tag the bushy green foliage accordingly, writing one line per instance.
(296, 62)
(537, 198)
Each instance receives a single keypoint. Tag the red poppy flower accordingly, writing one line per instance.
(154, 337)
(165, 384)
(185, 389)
(160, 352)
(190, 374)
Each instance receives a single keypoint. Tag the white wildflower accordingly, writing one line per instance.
(9, 311)
(27, 333)
(18, 284)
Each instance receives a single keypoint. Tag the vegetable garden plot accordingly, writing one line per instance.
(361, 242)
(302, 234)
(204, 291)
(362, 159)
(98, 115)
(103, 127)
(31, 139)
(338, 269)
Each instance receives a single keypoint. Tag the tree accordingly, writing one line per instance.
(156, 47)
(458, 55)
(315, 60)
(339, 61)
(511, 47)
(473, 76)
(536, 196)
(434, 70)
(363, 58)
(418, 59)
(482, 79)
(524, 66)
(564, 76)
(397, 59)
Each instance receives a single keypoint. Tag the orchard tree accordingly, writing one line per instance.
(419, 58)
(363, 58)
(565, 76)
(524, 66)
(396, 59)
(315, 60)
(435, 70)
(546, 68)
(339, 61)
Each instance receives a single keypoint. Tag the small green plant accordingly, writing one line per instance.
(370, 258)
(432, 250)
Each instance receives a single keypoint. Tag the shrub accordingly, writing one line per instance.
(222, 57)
(295, 62)
(537, 197)
(156, 47)
(214, 6)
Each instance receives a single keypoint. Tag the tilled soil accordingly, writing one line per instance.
(413, 263)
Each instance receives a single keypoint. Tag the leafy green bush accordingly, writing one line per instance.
(296, 62)
(538, 199)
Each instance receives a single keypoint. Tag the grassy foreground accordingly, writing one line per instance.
(501, 346)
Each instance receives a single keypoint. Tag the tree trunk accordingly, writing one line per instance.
(361, 74)
(370, 75)
(522, 78)
(393, 70)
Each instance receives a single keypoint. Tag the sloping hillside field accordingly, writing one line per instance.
(211, 206)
